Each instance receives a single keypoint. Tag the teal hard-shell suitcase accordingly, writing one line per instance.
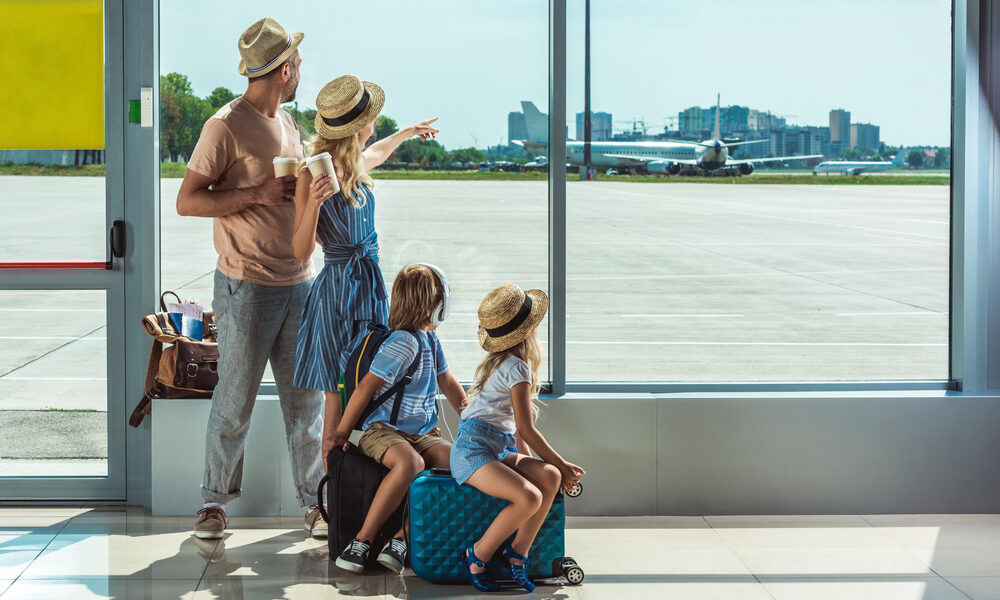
(445, 516)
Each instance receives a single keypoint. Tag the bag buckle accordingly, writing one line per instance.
(188, 372)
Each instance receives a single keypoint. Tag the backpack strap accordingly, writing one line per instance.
(398, 388)
(149, 392)
(405, 382)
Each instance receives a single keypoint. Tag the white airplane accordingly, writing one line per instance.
(668, 158)
(857, 167)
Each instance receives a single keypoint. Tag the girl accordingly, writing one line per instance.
(349, 291)
(497, 432)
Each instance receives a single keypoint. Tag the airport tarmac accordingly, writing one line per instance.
(684, 283)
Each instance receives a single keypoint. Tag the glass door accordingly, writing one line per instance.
(62, 284)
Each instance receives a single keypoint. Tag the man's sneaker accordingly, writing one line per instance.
(393, 555)
(354, 557)
(211, 523)
(315, 523)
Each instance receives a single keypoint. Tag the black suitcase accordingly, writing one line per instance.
(353, 479)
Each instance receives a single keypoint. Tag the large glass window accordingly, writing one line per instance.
(825, 269)
(465, 201)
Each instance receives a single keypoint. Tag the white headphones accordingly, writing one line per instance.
(441, 311)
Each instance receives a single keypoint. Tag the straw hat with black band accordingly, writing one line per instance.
(264, 46)
(346, 105)
(508, 314)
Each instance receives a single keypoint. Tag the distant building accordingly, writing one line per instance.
(840, 127)
(691, 119)
(764, 121)
(864, 136)
(600, 126)
(799, 141)
(517, 129)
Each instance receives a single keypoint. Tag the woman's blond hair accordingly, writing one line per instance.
(415, 294)
(529, 350)
(346, 154)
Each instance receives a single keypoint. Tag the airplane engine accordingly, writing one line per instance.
(746, 169)
(663, 167)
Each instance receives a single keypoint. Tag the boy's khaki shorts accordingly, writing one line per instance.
(379, 437)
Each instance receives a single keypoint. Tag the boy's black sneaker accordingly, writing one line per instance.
(354, 557)
(393, 555)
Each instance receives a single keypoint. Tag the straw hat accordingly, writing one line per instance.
(508, 314)
(346, 105)
(264, 46)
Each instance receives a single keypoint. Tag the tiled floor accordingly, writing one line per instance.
(82, 553)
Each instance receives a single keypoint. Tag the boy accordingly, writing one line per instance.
(418, 303)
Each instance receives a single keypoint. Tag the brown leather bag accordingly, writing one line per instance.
(185, 368)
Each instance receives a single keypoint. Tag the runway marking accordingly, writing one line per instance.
(823, 344)
(680, 316)
(49, 337)
(98, 310)
(889, 314)
(9, 378)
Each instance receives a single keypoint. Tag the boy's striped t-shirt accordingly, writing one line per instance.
(418, 411)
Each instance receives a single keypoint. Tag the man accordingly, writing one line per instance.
(260, 287)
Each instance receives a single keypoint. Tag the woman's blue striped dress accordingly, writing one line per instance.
(348, 293)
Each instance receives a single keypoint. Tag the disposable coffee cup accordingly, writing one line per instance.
(323, 163)
(284, 165)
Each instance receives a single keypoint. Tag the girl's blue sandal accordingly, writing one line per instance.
(519, 573)
(479, 580)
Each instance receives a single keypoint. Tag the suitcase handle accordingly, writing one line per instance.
(319, 497)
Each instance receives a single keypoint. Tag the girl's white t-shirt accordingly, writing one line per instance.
(493, 403)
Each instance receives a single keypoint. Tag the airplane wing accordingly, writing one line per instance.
(645, 159)
(750, 161)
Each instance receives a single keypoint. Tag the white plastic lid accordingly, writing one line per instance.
(285, 159)
(319, 156)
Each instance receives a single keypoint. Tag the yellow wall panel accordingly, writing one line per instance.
(52, 74)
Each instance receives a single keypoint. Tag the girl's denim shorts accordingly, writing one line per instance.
(476, 444)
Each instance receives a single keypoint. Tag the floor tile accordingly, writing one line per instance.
(4, 584)
(267, 588)
(851, 588)
(950, 534)
(978, 588)
(649, 538)
(273, 554)
(41, 511)
(107, 552)
(804, 537)
(612, 551)
(960, 562)
(606, 587)
(935, 520)
(94, 589)
(14, 562)
(813, 562)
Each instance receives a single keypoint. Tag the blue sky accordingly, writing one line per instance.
(470, 63)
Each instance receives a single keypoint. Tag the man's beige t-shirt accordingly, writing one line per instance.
(236, 150)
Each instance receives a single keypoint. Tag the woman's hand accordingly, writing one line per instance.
(571, 475)
(423, 129)
(319, 189)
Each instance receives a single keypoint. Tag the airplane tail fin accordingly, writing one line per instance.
(535, 122)
(718, 109)
(900, 157)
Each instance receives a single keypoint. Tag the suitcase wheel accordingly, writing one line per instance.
(575, 491)
(568, 562)
(573, 574)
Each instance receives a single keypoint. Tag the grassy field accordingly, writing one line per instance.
(176, 170)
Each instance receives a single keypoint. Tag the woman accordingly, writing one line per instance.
(349, 291)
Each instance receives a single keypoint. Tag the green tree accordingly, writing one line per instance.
(220, 97)
(466, 155)
(915, 158)
(384, 127)
(427, 153)
(305, 119)
(182, 115)
(942, 160)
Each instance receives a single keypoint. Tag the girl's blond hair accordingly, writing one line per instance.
(346, 153)
(530, 351)
(415, 294)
